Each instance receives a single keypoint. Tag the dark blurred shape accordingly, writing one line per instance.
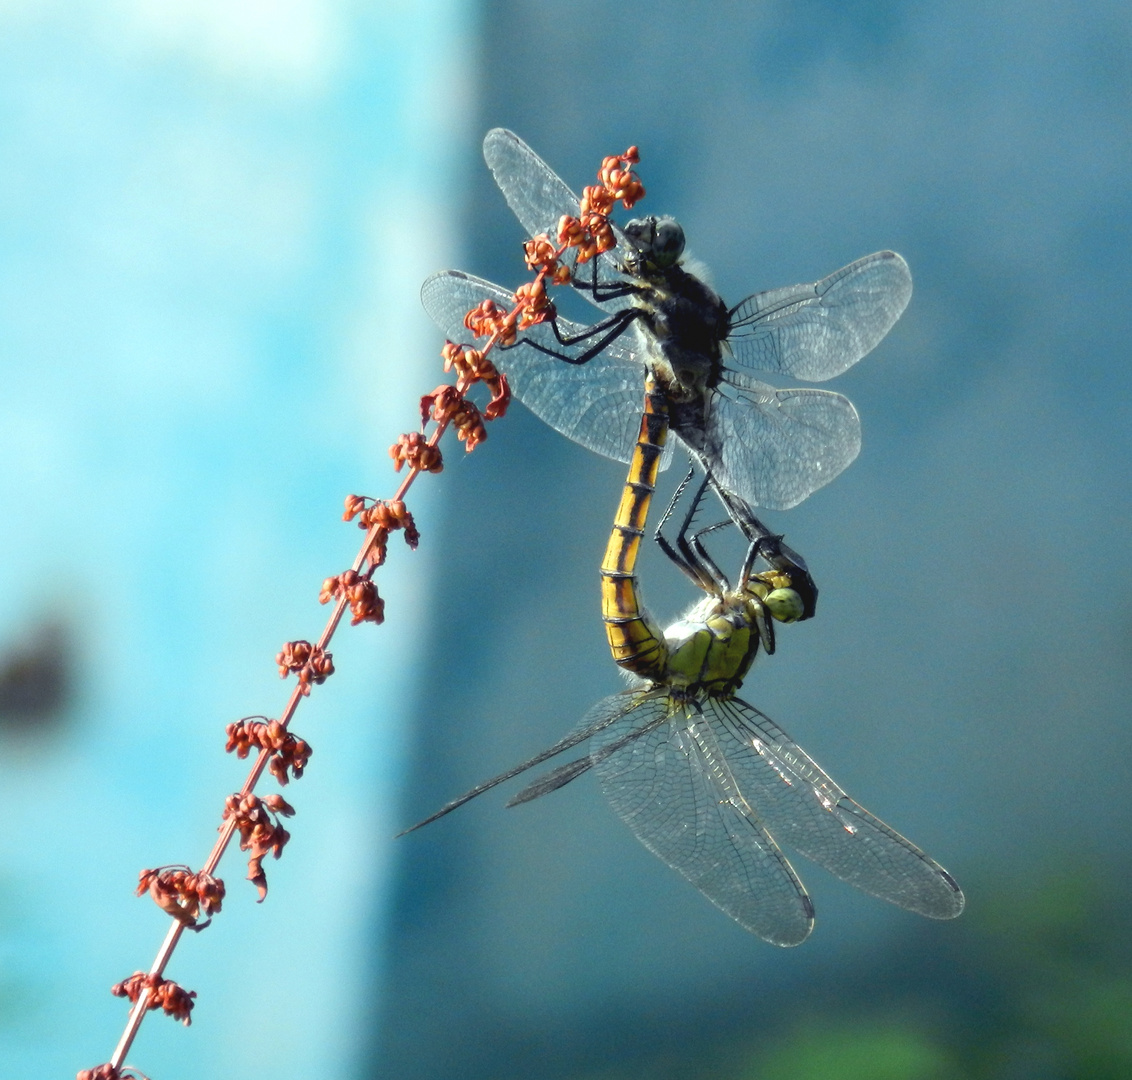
(35, 678)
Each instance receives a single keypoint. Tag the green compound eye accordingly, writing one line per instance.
(785, 605)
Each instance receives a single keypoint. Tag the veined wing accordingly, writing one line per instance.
(818, 330)
(597, 404)
(772, 447)
(539, 197)
(806, 811)
(599, 717)
(672, 786)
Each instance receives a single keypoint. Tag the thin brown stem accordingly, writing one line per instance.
(368, 553)
(228, 828)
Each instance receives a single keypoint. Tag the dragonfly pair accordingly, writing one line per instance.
(704, 780)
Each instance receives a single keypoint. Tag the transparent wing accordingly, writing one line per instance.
(774, 448)
(597, 404)
(601, 715)
(539, 198)
(818, 330)
(598, 718)
(672, 786)
(807, 812)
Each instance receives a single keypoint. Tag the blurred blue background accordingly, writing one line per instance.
(213, 224)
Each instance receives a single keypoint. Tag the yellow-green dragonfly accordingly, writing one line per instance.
(705, 781)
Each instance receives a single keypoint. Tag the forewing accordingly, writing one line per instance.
(597, 404)
(807, 812)
(818, 330)
(539, 198)
(672, 787)
(774, 448)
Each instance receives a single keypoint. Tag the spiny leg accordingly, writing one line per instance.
(682, 559)
(611, 329)
(694, 551)
(602, 291)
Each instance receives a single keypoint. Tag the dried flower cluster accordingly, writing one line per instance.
(380, 517)
(257, 822)
(419, 454)
(312, 663)
(181, 893)
(591, 232)
(160, 994)
(472, 366)
(446, 405)
(287, 751)
(360, 593)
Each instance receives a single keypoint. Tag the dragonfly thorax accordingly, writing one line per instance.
(681, 327)
(711, 649)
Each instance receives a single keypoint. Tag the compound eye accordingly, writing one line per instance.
(668, 241)
(642, 233)
(785, 605)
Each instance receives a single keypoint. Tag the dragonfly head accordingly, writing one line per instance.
(773, 593)
(658, 243)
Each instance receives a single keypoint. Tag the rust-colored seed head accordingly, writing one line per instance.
(389, 515)
(163, 994)
(447, 405)
(480, 367)
(412, 535)
(383, 516)
(468, 363)
(377, 551)
(256, 820)
(355, 504)
(181, 893)
(596, 199)
(600, 231)
(365, 604)
(312, 664)
(533, 303)
(451, 354)
(360, 594)
(570, 231)
(440, 404)
(288, 751)
(293, 656)
(487, 319)
(293, 754)
(540, 254)
(617, 177)
(500, 396)
(414, 451)
(469, 425)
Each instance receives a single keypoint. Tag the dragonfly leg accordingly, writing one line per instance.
(682, 558)
(762, 620)
(610, 329)
(616, 322)
(601, 291)
(693, 549)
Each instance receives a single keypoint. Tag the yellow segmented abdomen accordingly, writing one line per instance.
(635, 641)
